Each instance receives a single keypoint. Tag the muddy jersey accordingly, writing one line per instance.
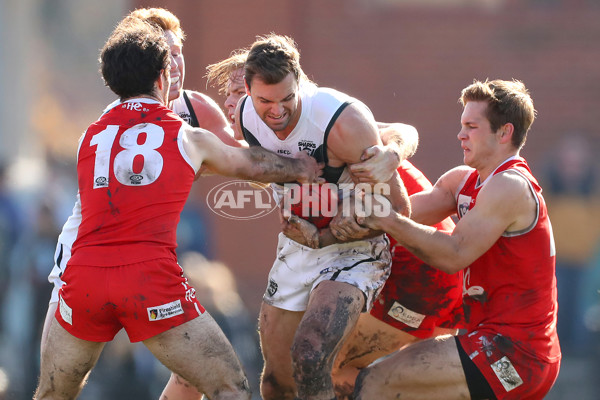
(416, 297)
(511, 289)
(134, 178)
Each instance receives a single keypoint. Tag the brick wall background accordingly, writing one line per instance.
(408, 62)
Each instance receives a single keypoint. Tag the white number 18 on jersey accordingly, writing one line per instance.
(123, 166)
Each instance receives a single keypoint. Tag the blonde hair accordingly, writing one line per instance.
(161, 17)
(219, 74)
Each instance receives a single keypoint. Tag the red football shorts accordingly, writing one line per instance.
(145, 298)
(511, 373)
(416, 297)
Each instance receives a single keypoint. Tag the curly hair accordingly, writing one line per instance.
(133, 57)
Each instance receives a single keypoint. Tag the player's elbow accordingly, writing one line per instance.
(450, 265)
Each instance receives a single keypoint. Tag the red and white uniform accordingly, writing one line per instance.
(180, 106)
(416, 297)
(510, 300)
(134, 178)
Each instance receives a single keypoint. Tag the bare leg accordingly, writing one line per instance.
(370, 340)
(277, 330)
(66, 363)
(437, 375)
(333, 310)
(199, 352)
(178, 388)
(49, 318)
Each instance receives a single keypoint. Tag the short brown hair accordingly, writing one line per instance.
(272, 58)
(508, 102)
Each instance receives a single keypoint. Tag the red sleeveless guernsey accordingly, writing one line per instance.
(511, 289)
(134, 178)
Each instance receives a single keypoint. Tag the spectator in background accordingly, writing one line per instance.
(10, 227)
(15, 327)
(572, 190)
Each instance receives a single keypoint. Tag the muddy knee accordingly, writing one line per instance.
(312, 366)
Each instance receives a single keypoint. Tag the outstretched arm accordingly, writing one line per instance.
(504, 204)
(253, 163)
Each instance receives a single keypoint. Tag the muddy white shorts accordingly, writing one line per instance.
(299, 269)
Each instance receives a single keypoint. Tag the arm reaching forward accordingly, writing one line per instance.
(253, 163)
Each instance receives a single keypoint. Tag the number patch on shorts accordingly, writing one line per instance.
(508, 375)
(165, 311)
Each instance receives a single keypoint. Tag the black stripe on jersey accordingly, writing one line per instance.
(331, 174)
(59, 259)
(193, 119)
(248, 136)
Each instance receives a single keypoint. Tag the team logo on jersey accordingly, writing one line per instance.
(406, 316)
(307, 145)
(165, 311)
(185, 116)
(464, 203)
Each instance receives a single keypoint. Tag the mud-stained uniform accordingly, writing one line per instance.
(509, 296)
(416, 297)
(181, 106)
(134, 178)
(297, 269)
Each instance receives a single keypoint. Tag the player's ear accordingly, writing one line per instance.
(506, 132)
(163, 78)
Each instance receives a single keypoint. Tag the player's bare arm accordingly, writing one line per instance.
(211, 117)
(253, 163)
(434, 205)
(379, 162)
(504, 204)
(354, 131)
(403, 138)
